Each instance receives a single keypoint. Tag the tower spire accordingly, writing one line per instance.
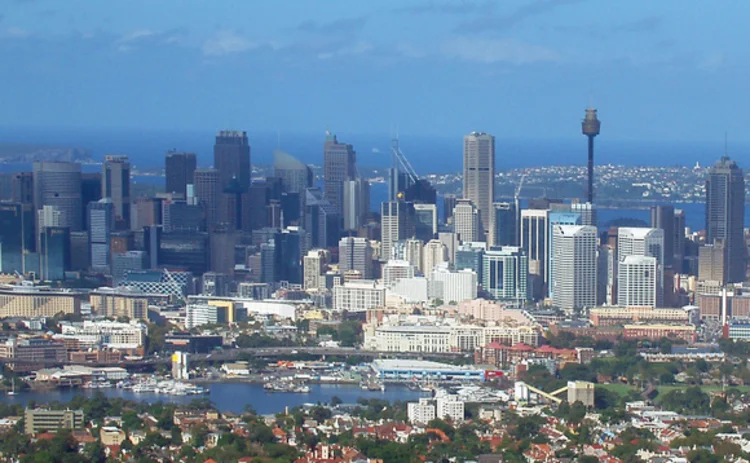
(590, 127)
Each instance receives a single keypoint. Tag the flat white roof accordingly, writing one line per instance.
(406, 364)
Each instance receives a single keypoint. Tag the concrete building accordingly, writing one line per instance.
(295, 175)
(103, 334)
(314, 266)
(466, 221)
(396, 224)
(232, 161)
(208, 194)
(180, 365)
(116, 188)
(449, 407)
(434, 253)
(120, 302)
(454, 286)
(204, 314)
(421, 412)
(355, 254)
(395, 270)
(535, 241)
(649, 242)
(31, 302)
(712, 262)
(39, 420)
(479, 176)
(413, 253)
(637, 281)
(358, 296)
(581, 391)
(573, 284)
(101, 226)
(356, 203)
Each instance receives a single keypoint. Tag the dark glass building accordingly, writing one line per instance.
(504, 226)
(184, 250)
(339, 165)
(116, 186)
(54, 253)
(16, 236)
(179, 170)
(725, 214)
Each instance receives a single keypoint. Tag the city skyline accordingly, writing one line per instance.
(598, 53)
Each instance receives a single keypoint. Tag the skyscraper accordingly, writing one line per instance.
(22, 187)
(557, 218)
(54, 252)
(479, 175)
(725, 214)
(17, 238)
(208, 193)
(91, 192)
(397, 223)
(101, 223)
(295, 176)
(179, 169)
(573, 284)
(425, 221)
(355, 254)
(434, 254)
(505, 273)
(535, 241)
(679, 240)
(637, 281)
(356, 203)
(466, 221)
(449, 202)
(339, 165)
(58, 184)
(504, 226)
(116, 186)
(232, 161)
(590, 127)
(662, 217)
(648, 242)
(322, 220)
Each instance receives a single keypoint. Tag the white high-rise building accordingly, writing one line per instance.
(413, 253)
(314, 266)
(355, 254)
(356, 202)
(642, 241)
(455, 286)
(434, 254)
(202, 314)
(396, 224)
(421, 412)
(358, 296)
(449, 406)
(637, 284)
(395, 270)
(574, 273)
(479, 176)
(505, 273)
(466, 221)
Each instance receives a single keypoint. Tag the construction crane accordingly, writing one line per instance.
(399, 159)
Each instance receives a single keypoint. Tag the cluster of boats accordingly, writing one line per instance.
(286, 386)
(169, 387)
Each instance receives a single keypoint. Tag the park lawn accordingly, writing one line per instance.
(622, 389)
(619, 389)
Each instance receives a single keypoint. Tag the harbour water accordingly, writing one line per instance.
(231, 396)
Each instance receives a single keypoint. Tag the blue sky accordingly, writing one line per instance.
(664, 70)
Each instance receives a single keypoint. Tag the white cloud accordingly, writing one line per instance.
(226, 42)
(483, 50)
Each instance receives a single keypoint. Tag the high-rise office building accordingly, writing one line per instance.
(183, 250)
(125, 262)
(479, 175)
(322, 220)
(339, 165)
(725, 214)
(221, 254)
(573, 284)
(116, 186)
(421, 191)
(54, 253)
(413, 249)
(208, 194)
(314, 267)
(649, 242)
(471, 256)
(503, 226)
(712, 259)
(58, 184)
(356, 203)
(557, 218)
(17, 238)
(101, 224)
(179, 170)
(587, 211)
(295, 176)
(467, 221)
(449, 202)
(232, 161)
(91, 192)
(397, 223)
(22, 187)
(535, 241)
(425, 221)
(505, 273)
(355, 254)
(662, 217)
(637, 281)
(293, 247)
(679, 240)
(435, 253)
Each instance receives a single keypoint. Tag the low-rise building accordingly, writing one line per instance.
(358, 296)
(32, 302)
(609, 316)
(421, 412)
(120, 302)
(112, 435)
(42, 419)
(27, 354)
(449, 407)
(656, 332)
